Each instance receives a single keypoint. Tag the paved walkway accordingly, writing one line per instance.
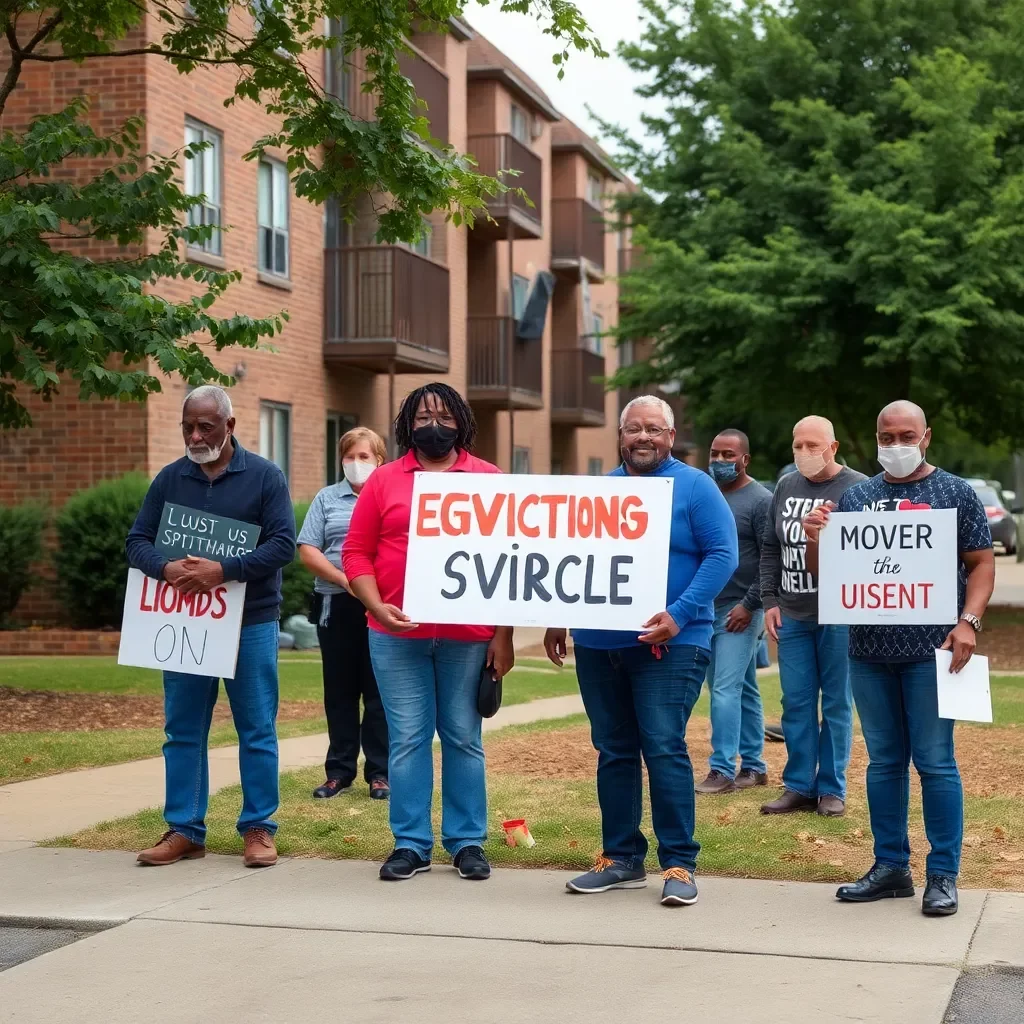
(59, 804)
(307, 940)
(1009, 582)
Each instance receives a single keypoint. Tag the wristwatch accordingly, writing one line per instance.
(972, 620)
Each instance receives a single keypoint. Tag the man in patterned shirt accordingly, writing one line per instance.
(893, 672)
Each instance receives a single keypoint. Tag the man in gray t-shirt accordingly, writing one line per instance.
(813, 659)
(737, 720)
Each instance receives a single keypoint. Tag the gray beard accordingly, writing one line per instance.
(648, 467)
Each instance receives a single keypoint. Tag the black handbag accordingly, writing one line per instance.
(488, 698)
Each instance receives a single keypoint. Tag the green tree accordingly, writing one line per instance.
(834, 217)
(101, 322)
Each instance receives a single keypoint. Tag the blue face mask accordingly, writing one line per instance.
(724, 472)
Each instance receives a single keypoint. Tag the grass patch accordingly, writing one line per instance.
(27, 755)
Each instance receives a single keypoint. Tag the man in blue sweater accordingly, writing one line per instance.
(639, 690)
(217, 475)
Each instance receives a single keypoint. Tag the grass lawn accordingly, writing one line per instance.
(25, 755)
(545, 773)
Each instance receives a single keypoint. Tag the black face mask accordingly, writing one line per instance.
(434, 442)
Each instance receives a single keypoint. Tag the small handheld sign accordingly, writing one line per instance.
(196, 634)
(888, 568)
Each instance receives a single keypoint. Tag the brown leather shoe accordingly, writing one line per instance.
(173, 846)
(790, 803)
(260, 851)
(716, 782)
(748, 778)
(831, 807)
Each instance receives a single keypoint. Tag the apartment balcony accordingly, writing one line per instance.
(577, 388)
(496, 153)
(677, 403)
(346, 76)
(491, 345)
(577, 237)
(385, 309)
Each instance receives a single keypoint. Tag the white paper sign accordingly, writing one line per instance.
(196, 634)
(889, 568)
(964, 696)
(575, 551)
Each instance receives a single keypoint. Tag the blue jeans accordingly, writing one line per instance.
(737, 718)
(815, 660)
(188, 711)
(427, 685)
(639, 703)
(898, 706)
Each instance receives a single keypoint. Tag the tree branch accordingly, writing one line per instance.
(18, 54)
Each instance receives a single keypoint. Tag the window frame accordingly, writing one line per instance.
(272, 407)
(597, 201)
(275, 167)
(591, 462)
(214, 245)
(527, 138)
(520, 286)
(521, 452)
(342, 422)
(594, 341)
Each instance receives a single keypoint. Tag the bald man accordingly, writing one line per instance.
(813, 659)
(893, 671)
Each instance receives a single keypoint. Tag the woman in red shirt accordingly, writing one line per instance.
(428, 675)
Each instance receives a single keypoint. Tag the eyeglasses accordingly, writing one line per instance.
(634, 431)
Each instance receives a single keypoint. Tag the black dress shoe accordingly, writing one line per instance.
(940, 898)
(774, 734)
(332, 787)
(880, 883)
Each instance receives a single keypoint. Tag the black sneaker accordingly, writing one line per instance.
(332, 787)
(471, 863)
(403, 864)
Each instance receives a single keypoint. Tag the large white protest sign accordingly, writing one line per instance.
(583, 552)
(888, 568)
(192, 633)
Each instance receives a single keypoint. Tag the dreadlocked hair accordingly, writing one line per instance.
(465, 422)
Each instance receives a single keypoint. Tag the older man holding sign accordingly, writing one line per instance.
(195, 541)
(909, 584)
(639, 684)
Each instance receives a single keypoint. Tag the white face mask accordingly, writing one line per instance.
(357, 473)
(900, 460)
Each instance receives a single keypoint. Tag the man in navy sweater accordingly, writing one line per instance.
(639, 690)
(217, 475)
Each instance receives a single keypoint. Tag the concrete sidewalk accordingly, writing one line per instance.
(56, 805)
(209, 941)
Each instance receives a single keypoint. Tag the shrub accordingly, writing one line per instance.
(91, 567)
(297, 582)
(21, 544)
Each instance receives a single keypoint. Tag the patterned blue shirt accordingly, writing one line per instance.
(937, 490)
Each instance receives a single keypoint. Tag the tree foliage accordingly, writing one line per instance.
(101, 321)
(835, 218)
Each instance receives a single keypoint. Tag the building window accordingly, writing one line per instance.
(273, 217)
(422, 244)
(338, 424)
(202, 179)
(594, 342)
(556, 467)
(335, 76)
(520, 293)
(627, 353)
(595, 467)
(520, 125)
(595, 189)
(275, 435)
(521, 460)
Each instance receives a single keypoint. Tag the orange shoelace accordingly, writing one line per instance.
(679, 874)
(603, 863)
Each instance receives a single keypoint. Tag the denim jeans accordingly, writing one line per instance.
(188, 711)
(427, 685)
(737, 718)
(898, 706)
(815, 660)
(639, 702)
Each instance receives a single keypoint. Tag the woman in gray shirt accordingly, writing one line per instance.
(342, 628)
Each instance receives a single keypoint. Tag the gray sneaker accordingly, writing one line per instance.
(680, 888)
(608, 874)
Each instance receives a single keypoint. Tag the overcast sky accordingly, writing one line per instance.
(605, 85)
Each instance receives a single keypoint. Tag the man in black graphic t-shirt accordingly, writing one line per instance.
(892, 671)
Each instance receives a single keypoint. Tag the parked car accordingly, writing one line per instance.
(1000, 521)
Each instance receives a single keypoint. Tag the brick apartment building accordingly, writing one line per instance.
(368, 322)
